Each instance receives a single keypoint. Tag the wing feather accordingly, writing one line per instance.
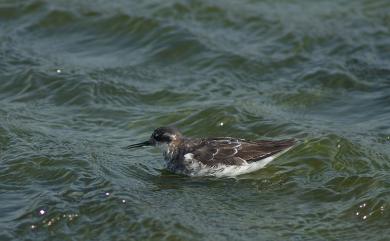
(232, 151)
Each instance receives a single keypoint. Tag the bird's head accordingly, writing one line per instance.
(162, 137)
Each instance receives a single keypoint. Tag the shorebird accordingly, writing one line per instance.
(215, 156)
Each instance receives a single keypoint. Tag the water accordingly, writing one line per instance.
(79, 80)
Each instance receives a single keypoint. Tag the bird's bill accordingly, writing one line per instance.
(145, 143)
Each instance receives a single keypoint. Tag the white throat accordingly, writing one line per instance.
(166, 149)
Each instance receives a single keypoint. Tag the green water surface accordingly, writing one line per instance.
(79, 80)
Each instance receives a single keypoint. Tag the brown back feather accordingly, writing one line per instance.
(232, 151)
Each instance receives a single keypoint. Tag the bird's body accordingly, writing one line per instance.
(221, 156)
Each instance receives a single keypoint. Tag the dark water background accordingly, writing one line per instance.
(81, 79)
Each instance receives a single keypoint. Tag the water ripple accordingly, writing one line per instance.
(80, 80)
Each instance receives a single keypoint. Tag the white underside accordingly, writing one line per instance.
(196, 168)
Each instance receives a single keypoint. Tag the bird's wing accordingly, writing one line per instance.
(232, 151)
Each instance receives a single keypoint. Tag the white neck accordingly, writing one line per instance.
(166, 149)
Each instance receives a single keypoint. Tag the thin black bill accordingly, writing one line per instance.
(145, 143)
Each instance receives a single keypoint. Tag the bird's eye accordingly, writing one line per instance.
(165, 138)
(162, 137)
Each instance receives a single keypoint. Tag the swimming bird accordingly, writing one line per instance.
(215, 156)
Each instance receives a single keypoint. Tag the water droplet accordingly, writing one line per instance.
(221, 124)
(338, 146)
(107, 194)
(357, 213)
(382, 208)
(123, 201)
(59, 71)
(363, 205)
(364, 217)
(33, 226)
(42, 212)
